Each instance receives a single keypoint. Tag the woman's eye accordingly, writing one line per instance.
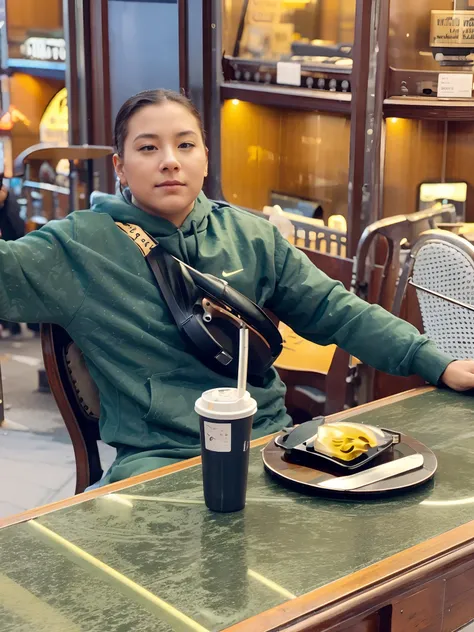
(147, 148)
(186, 145)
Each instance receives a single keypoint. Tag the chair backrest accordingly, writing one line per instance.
(311, 234)
(397, 231)
(54, 153)
(387, 242)
(441, 268)
(77, 398)
(320, 238)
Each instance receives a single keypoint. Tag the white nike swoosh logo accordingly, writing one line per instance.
(226, 275)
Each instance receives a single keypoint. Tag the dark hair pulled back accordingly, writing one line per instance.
(142, 99)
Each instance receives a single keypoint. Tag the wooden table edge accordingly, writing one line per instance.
(369, 589)
(357, 592)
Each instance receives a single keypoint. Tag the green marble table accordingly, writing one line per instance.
(151, 557)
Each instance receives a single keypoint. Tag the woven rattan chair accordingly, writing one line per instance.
(441, 268)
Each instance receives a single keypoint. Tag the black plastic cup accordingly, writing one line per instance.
(225, 424)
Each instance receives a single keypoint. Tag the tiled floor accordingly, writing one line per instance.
(36, 456)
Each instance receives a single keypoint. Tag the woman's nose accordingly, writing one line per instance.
(170, 161)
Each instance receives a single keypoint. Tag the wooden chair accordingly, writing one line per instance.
(77, 398)
(387, 242)
(321, 380)
(310, 234)
(55, 153)
(398, 233)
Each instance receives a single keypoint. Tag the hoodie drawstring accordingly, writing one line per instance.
(182, 247)
(195, 233)
(182, 243)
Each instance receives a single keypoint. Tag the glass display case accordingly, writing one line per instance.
(359, 108)
(429, 106)
(431, 48)
(422, 152)
(285, 157)
(286, 104)
(302, 43)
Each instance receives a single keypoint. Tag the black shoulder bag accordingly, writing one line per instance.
(209, 313)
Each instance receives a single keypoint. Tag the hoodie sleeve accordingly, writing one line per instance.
(324, 312)
(38, 282)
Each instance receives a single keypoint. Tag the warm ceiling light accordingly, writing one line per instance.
(11, 117)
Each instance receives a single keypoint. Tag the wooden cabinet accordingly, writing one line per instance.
(268, 150)
(26, 18)
(286, 139)
(46, 15)
(358, 134)
(426, 121)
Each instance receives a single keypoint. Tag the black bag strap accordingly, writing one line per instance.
(142, 239)
(172, 285)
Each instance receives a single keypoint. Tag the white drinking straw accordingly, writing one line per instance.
(243, 360)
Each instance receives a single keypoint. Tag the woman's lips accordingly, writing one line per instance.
(170, 183)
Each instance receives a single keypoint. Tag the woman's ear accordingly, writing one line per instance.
(206, 169)
(118, 166)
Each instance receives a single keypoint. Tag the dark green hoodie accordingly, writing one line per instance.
(85, 274)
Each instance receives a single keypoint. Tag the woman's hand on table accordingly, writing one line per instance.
(459, 375)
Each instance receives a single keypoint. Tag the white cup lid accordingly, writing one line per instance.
(224, 403)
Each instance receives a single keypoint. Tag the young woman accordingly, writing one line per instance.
(85, 274)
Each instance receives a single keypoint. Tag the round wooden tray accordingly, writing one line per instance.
(305, 479)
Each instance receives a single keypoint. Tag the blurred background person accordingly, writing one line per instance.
(12, 226)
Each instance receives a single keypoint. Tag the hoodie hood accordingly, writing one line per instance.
(181, 242)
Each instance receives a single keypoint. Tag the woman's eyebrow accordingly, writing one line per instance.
(149, 135)
(186, 132)
(146, 135)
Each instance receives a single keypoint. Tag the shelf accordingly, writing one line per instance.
(44, 69)
(295, 98)
(430, 108)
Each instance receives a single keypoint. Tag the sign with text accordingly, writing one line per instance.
(452, 29)
(455, 84)
(264, 11)
(289, 73)
(44, 49)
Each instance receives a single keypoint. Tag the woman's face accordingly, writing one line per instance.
(164, 160)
